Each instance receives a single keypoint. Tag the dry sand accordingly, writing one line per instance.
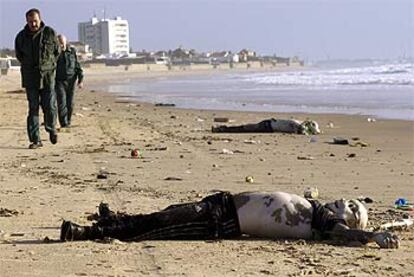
(38, 188)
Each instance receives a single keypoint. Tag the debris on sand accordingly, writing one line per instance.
(249, 179)
(103, 174)
(173, 179)
(359, 143)
(308, 158)
(4, 212)
(397, 225)
(221, 119)
(164, 105)
(227, 151)
(251, 141)
(136, 153)
(341, 141)
(344, 141)
(161, 148)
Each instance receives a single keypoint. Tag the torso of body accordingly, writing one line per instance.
(286, 126)
(274, 215)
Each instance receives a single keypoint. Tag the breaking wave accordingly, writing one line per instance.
(380, 75)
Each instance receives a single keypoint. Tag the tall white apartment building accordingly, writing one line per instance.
(108, 37)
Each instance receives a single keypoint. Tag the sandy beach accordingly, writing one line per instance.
(39, 188)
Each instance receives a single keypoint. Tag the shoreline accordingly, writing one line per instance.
(99, 76)
(289, 107)
(42, 187)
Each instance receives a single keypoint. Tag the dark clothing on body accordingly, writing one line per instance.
(37, 54)
(323, 220)
(214, 217)
(68, 71)
(264, 126)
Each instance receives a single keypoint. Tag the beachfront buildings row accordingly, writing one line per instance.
(107, 41)
(108, 37)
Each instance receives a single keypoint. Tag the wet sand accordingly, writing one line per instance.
(41, 187)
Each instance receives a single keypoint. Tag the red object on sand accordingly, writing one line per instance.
(135, 153)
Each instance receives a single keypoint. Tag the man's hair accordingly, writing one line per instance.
(32, 12)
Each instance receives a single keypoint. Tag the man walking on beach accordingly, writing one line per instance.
(37, 50)
(68, 71)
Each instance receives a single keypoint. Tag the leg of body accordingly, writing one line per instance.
(212, 218)
(70, 92)
(48, 101)
(60, 89)
(261, 127)
(33, 115)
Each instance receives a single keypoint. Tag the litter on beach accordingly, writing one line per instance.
(249, 179)
(403, 204)
(136, 153)
(341, 141)
(164, 105)
(397, 225)
(227, 152)
(173, 179)
(221, 119)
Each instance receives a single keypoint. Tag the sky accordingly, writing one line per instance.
(310, 29)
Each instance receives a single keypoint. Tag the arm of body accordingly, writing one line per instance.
(383, 239)
(78, 71)
(56, 47)
(17, 45)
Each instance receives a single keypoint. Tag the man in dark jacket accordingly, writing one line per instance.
(68, 71)
(37, 50)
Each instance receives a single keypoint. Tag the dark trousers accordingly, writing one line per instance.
(261, 127)
(47, 99)
(214, 217)
(65, 93)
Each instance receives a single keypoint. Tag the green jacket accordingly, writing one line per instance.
(68, 66)
(37, 53)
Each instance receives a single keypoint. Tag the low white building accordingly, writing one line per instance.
(109, 37)
(83, 51)
(9, 63)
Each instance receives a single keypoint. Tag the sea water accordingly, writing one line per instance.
(372, 88)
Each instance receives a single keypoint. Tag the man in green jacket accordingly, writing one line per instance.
(37, 50)
(68, 71)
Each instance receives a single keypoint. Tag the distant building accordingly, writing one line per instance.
(109, 37)
(161, 57)
(223, 57)
(83, 51)
(247, 55)
(8, 63)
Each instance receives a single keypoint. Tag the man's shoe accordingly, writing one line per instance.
(67, 125)
(35, 145)
(53, 138)
(70, 231)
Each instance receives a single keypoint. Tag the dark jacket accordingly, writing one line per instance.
(37, 53)
(68, 66)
